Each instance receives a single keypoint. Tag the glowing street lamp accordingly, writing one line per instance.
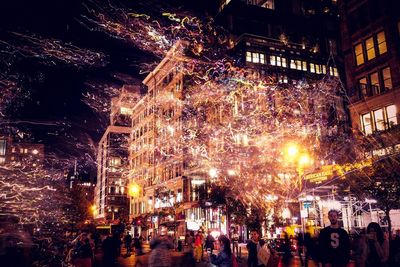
(213, 173)
(133, 190)
(93, 209)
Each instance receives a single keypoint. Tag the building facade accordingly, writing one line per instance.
(21, 154)
(370, 41)
(110, 198)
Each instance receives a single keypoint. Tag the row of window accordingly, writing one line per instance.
(369, 48)
(296, 64)
(375, 83)
(379, 120)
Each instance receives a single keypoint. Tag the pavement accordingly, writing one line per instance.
(131, 260)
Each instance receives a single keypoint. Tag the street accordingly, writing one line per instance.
(131, 260)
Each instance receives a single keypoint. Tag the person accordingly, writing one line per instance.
(375, 248)
(224, 257)
(235, 246)
(334, 243)
(253, 246)
(160, 255)
(209, 243)
(109, 251)
(82, 253)
(128, 242)
(309, 248)
(137, 244)
(198, 246)
(188, 259)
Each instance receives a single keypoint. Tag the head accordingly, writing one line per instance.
(374, 229)
(333, 216)
(163, 231)
(254, 235)
(225, 244)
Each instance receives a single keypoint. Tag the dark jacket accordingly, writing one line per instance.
(222, 259)
(252, 259)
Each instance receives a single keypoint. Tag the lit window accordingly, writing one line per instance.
(304, 65)
(25, 151)
(126, 111)
(359, 54)
(362, 84)
(374, 83)
(312, 67)
(391, 115)
(369, 46)
(381, 43)
(379, 120)
(248, 56)
(3, 144)
(293, 64)
(273, 60)
(383, 118)
(366, 123)
(255, 57)
(115, 161)
(387, 79)
(262, 58)
(323, 69)
(2, 160)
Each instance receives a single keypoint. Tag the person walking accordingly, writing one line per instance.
(198, 246)
(128, 243)
(375, 248)
(253, 247)
(209, 242)
(160, 255)
(137, 244)
(235, 243)
(224, 257)
(334, 243)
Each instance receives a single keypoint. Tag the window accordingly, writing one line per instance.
(333, 71)
(3, 145)
(278, 61)
(387, 79)
(312, 67)
(380, 37)
(363, 85)
(298, 65)
(114, 161)
(366, 123)
(369, 45)
(379, 120)
(391, 115)
(255, 57)
(374, 79)
(359, 54)
(126, 111)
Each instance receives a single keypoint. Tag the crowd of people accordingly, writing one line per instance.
(332, 247)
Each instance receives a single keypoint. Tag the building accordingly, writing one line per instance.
(156, 157)
(20, 154)
(370, 39)
(110, 198)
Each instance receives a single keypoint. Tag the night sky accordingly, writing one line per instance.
(51, 108)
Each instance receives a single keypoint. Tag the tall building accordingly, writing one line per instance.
(156, 157)
(370, 35)
(370, 44)
(110, 198)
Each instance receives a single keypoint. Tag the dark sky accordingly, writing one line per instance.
(56, 88)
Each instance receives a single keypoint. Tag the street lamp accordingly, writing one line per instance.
(93, 209)
(133, 190)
